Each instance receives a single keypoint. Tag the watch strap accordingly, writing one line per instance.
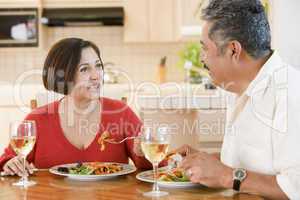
(236, 184)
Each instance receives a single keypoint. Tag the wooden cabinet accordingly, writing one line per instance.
(136, 27)
(201, 129)
(81, 3)
(182, 122)
(190, 12)
(211, 129)
(161, 21)
(191, 23)
(164, 20)
(152, 20)
(19, 3)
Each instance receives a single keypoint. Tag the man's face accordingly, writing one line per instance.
(220, 65)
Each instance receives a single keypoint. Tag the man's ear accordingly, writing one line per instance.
(235, 50)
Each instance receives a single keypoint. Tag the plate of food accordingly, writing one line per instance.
(90, 171)
(175, 178)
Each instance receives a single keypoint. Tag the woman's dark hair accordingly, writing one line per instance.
(62, 61)
(241, 20)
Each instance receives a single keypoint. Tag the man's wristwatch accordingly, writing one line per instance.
(238, 176)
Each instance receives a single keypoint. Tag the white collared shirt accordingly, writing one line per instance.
(265, 135)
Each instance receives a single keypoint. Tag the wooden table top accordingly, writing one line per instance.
(126, 187)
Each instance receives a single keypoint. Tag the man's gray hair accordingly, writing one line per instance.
(241, 20)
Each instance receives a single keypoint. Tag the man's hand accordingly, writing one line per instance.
(206, 169)
(184, 150)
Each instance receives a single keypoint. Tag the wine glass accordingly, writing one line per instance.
(22, 140)
(155, 145)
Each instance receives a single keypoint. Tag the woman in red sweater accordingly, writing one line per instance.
(68, 130)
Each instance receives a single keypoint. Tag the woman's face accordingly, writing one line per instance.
(89, 76)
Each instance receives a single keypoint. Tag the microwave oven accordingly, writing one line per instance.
(19, 27)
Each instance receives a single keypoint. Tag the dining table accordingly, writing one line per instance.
(54, 187)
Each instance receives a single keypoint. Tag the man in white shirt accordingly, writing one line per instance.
(261, 149)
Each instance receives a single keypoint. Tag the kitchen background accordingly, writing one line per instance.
(152, 29)
(140, 61)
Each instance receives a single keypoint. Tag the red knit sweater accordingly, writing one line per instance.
(53, 148)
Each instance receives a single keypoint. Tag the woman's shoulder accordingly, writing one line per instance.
(45, 110)
(113, 104)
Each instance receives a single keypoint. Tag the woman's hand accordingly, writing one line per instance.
(15, 167)
(137, 147)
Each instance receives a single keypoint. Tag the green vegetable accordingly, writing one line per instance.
(82, 170)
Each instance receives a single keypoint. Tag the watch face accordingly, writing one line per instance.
(239, 174)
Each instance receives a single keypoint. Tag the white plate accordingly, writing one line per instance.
(146, 176)
(127, 169)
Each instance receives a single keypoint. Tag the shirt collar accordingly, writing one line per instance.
(262, 79)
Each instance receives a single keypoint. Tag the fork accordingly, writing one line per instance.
(121, 141)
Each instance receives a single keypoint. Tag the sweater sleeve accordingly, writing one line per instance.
(132, 128)
(9, 153)
(6, 156)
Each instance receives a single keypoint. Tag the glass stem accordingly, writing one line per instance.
(24, 176)
(155, 170)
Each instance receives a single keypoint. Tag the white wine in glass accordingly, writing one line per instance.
(22, 140)
(154, 151)
(155, 145)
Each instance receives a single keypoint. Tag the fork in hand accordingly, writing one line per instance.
(111, 141)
